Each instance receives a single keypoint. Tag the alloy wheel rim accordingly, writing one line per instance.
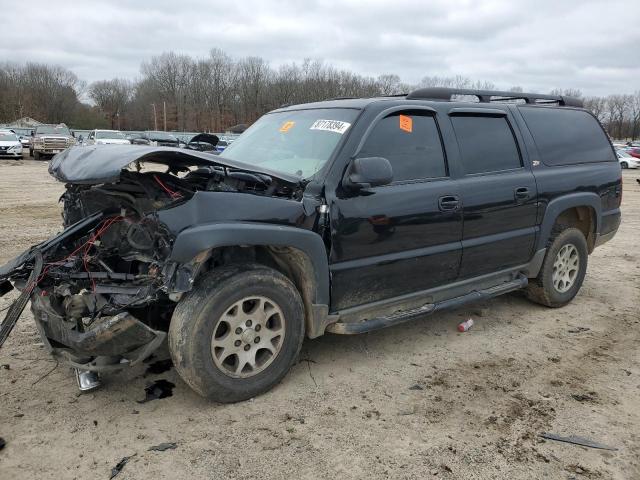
(248, 337)
(565, 268)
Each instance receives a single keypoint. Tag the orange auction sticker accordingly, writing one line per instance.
(286, 126)
(406, 123)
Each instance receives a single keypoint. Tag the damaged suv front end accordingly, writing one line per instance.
(102, 291)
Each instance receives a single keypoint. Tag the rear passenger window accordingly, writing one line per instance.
(565, 136)
(486, 143)
(411, 143)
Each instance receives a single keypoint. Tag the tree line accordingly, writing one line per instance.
(182, 93)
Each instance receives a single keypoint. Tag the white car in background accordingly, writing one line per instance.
(10, 145)
(106, 137)
(626, 160)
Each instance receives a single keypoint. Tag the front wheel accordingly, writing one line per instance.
(237, 333)
(563, 269)
(36, 155)
(624, 165)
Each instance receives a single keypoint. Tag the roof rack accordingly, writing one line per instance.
(488, 96)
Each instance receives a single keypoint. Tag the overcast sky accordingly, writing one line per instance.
(539, 45)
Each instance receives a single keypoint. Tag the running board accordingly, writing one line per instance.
(402, 316)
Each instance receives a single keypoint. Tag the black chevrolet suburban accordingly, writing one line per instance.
(342, 216)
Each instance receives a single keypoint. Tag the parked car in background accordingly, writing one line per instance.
(25, 141)
(50, 139)
(156, 139)
(222, 144)
(106, 137)
(203, 142)
(633, 151)
(626, 160)
(10, 145)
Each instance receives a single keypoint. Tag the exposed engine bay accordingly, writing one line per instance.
(102, 291)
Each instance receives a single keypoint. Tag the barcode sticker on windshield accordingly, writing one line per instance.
(330, 126)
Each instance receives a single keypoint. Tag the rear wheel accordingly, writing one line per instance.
(237, 333)
(563, 269)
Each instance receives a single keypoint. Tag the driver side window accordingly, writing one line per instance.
(410, 140)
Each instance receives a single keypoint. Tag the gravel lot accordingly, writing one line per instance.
(416, 401)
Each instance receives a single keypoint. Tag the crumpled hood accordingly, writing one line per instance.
(103, 163)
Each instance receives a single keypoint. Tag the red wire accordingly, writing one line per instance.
(87, 245)
(170, 192)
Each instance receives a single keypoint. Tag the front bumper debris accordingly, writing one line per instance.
(122, 337)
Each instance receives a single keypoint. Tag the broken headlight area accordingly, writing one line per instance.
(103, 295)
(103, 290)
(99, 292)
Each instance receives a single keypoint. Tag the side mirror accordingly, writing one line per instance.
(368, 172)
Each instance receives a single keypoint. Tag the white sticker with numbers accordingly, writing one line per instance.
(330, 126)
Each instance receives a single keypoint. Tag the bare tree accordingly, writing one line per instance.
(634, 113)
(215, 92)
(617, 108)
(597, 105)
(112, 97)
(567, 92)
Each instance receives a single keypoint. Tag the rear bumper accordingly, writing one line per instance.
(601, 239)
(609, 226)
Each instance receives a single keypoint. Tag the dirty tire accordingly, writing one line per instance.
(195, 318)
(541, 289)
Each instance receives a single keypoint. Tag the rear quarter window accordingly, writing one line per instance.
(565, 136)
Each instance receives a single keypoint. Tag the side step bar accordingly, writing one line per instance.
(377, 323)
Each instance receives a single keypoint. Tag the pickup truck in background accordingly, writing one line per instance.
(48, 140)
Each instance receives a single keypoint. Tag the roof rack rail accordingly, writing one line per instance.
(487, 96)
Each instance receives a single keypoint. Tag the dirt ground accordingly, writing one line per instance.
(416, 401)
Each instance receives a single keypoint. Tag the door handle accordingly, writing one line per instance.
(448, 203)
(522, 193)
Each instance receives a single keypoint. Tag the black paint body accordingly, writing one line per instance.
(388, 241)
(383, 242)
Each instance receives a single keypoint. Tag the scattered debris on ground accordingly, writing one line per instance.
(157, 390)
(163, 447)
(158, 367)
(120, 465)
(585, 442)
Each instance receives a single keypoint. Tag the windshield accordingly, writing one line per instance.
(162, 136)
(107, 134)
(8, 137)
(297, 142)
(53, 130)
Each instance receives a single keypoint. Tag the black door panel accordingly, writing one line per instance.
(499, 197)
(392, 242)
